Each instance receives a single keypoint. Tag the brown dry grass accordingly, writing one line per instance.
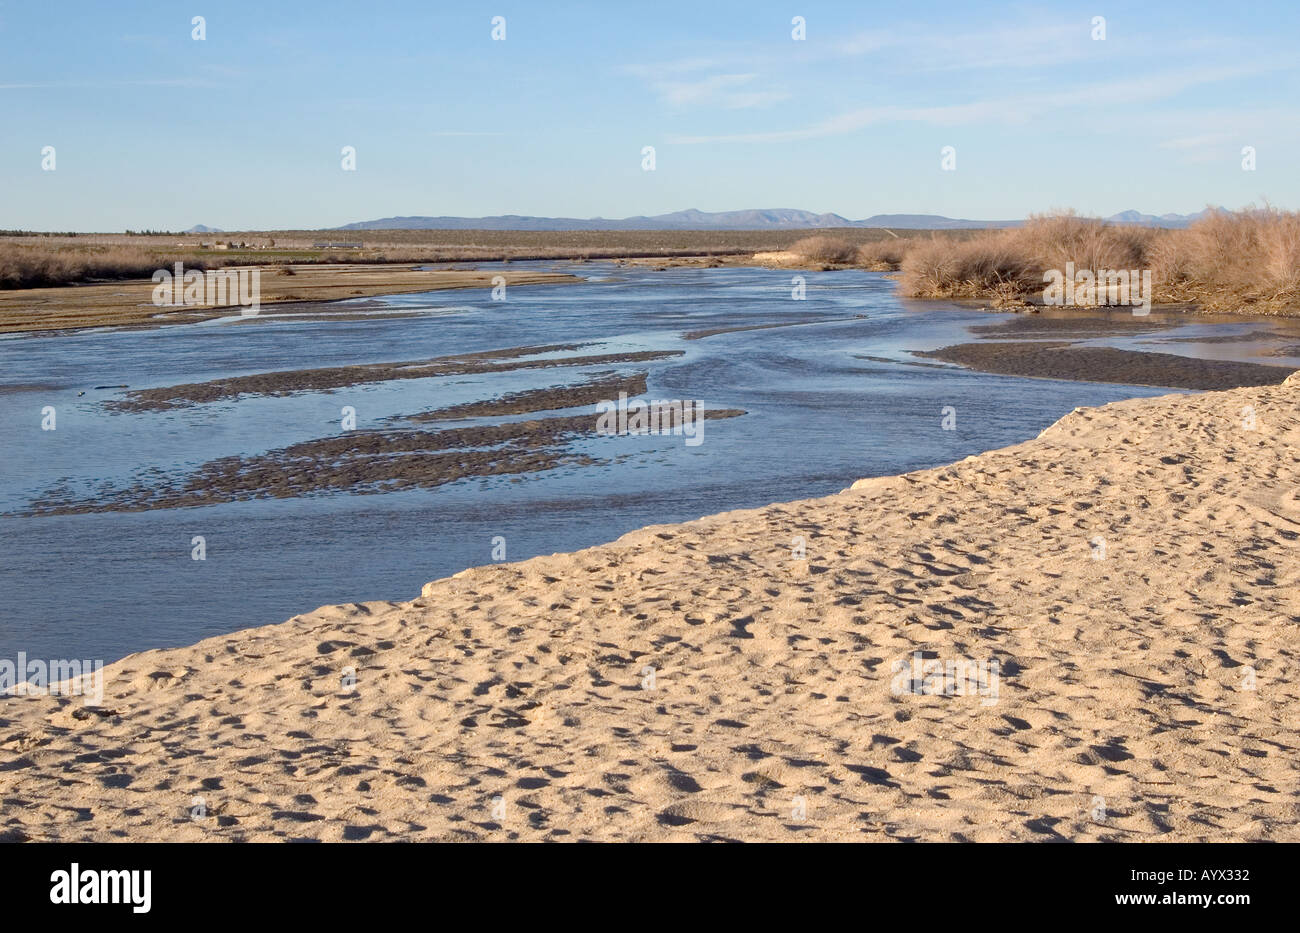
(1225, 261)
(1010, 263)
(1246, 260)
(29, 264)
(825, 249)
(885, 255)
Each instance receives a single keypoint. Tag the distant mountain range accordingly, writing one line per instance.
(1151, 220)
(200, 228)
(774, 219)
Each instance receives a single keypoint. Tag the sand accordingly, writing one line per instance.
(129, 303)
(1133, 571)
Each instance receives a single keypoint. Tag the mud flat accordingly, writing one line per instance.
(324, 379)
(1062, 360)
(367, 461)
(551, 398)
(1119, 596)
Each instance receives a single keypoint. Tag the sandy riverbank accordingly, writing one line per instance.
(1130, 578)
(300, 290)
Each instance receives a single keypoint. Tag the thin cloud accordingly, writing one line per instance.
(1006, 110)
(730, 91)
(676, 66)
(705, 82)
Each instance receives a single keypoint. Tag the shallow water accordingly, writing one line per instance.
(99, 586)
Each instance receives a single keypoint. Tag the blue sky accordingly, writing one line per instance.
(244, 129)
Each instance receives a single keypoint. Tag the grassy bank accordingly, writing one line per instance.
(1244, 261)
(43, 260)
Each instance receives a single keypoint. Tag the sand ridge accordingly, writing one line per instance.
(1133, 572)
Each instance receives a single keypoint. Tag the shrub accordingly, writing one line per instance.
(825, 249)
(883, 255)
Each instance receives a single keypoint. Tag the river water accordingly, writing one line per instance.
(820, 415)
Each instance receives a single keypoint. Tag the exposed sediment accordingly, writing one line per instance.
(1062, 360)
(1129, 580)
(329, 378)
(366, 461)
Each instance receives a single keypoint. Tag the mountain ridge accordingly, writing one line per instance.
(750, 219)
